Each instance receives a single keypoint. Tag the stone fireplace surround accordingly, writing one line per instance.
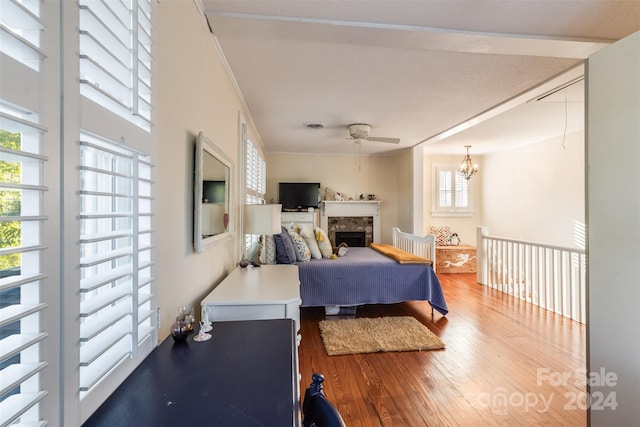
(338, 224)
(351, 216)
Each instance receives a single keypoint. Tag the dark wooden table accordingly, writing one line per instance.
(245, 375)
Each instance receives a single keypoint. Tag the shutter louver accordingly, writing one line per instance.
(115, 248)
(450, 192)
(21, 216)
(255, 183)
(444, 189)
(21, 251)
(115, 57)
(20, 32)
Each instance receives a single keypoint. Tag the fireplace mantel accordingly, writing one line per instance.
(365, 208)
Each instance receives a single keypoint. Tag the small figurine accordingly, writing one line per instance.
(202, 335)
(454, 240)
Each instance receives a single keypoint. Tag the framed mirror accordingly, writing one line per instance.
(213, 220)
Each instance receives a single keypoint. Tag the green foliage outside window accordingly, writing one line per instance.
(10, 172)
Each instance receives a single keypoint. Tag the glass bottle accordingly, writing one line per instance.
(180, 329)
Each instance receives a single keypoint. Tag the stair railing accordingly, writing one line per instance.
(551, 277)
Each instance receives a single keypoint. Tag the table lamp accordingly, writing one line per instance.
(261, 220)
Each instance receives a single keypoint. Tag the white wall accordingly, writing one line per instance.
(194, 94)
(464, 226)
(406, 191)
(535, 192)
(376, 175)
(613, 182)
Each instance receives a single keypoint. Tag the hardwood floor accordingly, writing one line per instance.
(506, 363)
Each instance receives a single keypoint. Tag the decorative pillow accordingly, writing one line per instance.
(269, 250)
(323, 242)
(294, 227)
(443, 235)
(303, 254)
(310, 238)
(285, 253)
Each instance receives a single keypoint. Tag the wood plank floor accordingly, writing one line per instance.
(506, 363)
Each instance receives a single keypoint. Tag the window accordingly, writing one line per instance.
(117, 311)
(115, 57)
(255, 183)
(20, 32)
(116, 257)
(20, 276)
(57, 280)
(451, 192)
(22, 215)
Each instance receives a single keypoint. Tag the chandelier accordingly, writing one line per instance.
(467, 168)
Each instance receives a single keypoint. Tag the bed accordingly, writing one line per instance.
(366, 276)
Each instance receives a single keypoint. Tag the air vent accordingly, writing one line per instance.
(315, 126)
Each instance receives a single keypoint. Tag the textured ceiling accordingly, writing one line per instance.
(413, 69)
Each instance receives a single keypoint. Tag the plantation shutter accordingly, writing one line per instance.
(117, 312)
(116, 261)
(461, 191)
(445, 189)
(255, 183)
(115, 57)
(21, 214)
(255, 174)
(20, 274)
(450, 191)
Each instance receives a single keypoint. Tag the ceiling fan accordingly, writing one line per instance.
(360, 132)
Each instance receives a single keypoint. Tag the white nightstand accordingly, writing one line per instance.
(255, 293)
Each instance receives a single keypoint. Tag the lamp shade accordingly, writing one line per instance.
(262, 219)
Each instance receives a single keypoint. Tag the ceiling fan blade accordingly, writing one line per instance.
(389, 140)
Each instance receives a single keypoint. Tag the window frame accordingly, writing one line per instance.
(436, 187)
(254, 183)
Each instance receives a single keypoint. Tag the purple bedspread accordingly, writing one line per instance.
(365, 276)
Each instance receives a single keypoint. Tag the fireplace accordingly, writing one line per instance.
(353, 230)
(362, 217)
(351, 238)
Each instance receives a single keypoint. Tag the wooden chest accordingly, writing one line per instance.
(456, 259)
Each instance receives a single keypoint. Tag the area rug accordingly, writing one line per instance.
(371, 335)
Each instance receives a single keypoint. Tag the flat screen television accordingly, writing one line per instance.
(213, 191)
(295, 196)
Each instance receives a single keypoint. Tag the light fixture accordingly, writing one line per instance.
(261, 220)
(467, 168)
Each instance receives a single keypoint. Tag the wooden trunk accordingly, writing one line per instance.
(456, 259)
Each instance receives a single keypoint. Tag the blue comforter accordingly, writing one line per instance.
(365, 276)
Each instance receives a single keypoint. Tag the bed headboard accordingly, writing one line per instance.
(424, 247)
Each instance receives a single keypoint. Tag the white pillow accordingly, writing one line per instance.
(303, 254)
(323, 242)
(306, 231)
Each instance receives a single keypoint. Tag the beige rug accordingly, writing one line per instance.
(370, 335)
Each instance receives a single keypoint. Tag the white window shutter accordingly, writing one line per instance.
(21, 216)
(116, 259)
